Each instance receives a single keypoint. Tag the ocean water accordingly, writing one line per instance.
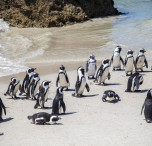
(19, 47)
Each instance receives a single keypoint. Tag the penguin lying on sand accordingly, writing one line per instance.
(63, 78)
(141, 59)
(2, 107)
(44, 118)
(13, 87)
(81, 83)
(103, 72)
(91, 67)
(110, 95)
(42, 96)
(147, 106)
(58, 102)
(116, 58)
(134, 81)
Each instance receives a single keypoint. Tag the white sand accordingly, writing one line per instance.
(88, 121)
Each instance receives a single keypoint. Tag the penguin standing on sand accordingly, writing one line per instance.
(63, 78)
(103, 72)
(42, 96)
(129, 62)
(116, 58)
(13, 87)
(134, 82)
(2, 107)
(91, 67)
(34, 86)
(58, 102)
(44, 118)
(27, 80)
(147, 106)
(81, 83)
(141, 59)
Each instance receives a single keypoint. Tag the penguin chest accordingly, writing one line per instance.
(104, 75)
(82, 86)
(130, 64)
(16, 88)
(46, 95)
(91, 69)
(116, 61)
(63, 82)
(140, 62)
(110, 98)
(36, 87)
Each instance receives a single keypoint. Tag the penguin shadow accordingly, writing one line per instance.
(70, 90)
(18, 98)
(1, 134)
(118, 70)
(141, 91)
(70, 113)
(114, 101)
(109, 84)
(89, 95)
(6, 120)
(45, 108)
(49, 124)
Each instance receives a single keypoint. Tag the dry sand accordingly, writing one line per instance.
(88, 121)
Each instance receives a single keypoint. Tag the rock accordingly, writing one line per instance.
(53, 13)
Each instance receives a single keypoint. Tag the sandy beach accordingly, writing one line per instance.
(88, 120)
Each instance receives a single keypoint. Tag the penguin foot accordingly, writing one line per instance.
(148, 120)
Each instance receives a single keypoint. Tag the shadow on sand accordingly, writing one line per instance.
(6, 120)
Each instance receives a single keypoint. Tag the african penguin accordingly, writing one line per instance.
(147, 106)
(13, 87)
(110, 96)
(58, 102)
(27, 80)
(34, 86)
(129, 62)
(103, 72)
(134, 81)
(63, 78)
(44, 118)
(91, 67)
(141, 59)
(42, 95)
(81, 83)
(2, 107)
(116, 58)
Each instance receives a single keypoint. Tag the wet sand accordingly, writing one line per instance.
(88, 120)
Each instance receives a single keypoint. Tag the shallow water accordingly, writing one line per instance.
(74, 43)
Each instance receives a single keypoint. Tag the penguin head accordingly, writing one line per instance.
(60, 90)
(31, 70)
(106, 62)
(118, 49)
(14, 80)
(110, 94)
(81, 70)
(92, 56)
(36, 75)
(46, 83)
(141, 79)
(149, 94)
(62, 67)
(130, 53)
(142, 50)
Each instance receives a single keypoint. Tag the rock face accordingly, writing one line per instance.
(51, 13)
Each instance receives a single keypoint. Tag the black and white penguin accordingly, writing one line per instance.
(27, 80)
(58, 102)
(44, 118)
(91, 67)
(147, 106)
(103, 72)
(110, 96)
(42, 95)
(129, 62)
(34, 86)
(116, 58)
(81, 83)
(13, 87)
(2, 107)
(134, 81)
(63, 78)
(141, 59)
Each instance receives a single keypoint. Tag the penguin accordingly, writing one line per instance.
(147, 106)
(2, 107)
(62, 78)
(81, 83)
(13, 87)
(91, 67)
(134, 81)
(140, 60)
(116, 58)
(42, 96)
(58, 102)
(27, 80)
(33, 87)
(43, 118)
(103, 72)
(129, 62)
(110, 96)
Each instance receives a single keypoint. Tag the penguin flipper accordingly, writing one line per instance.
(57, 80)
(142, 108)
(1, 102)
(146, 63)
(63, 105)
(122, 61)
(87, 87)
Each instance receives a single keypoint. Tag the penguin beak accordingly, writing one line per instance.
(48, 82)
